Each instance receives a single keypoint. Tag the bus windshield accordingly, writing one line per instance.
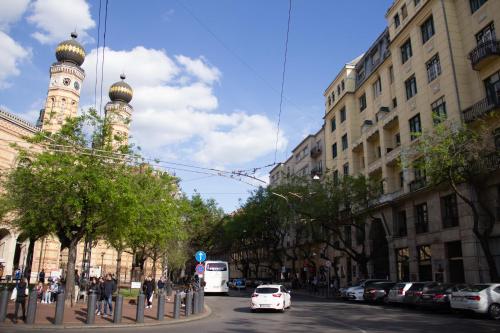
(216, 267)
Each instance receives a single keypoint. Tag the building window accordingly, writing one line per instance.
(344, 142)
(401, 179)
(397, 22)
(400, 229)
(343, 85)
(424, 263)
(438, 110)
(455, 261)
(333, 97)
(404, 11)
(333, 124)
(421, 218)
(487, 34)
(342, 114)
(379, 152)
(411, 87)
(334, 150)
(377, 88)
(427, 29)
(336, 177)
(415, 127)
(362, 103)
(346, 169)
(476, 4)
(416, 2)
(329, 101)
(449, 211)
(403, 264)
(433, 68)
(394, 103)
(391, 74)
(338, 90)
(406, 51)
(397, 138)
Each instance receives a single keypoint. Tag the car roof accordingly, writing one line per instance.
(270, 286)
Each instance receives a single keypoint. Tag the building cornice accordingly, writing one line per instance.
(18, 121)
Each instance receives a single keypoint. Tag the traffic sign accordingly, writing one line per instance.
(200, 268)
(200, 256)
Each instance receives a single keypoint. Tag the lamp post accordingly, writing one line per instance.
(102, 263)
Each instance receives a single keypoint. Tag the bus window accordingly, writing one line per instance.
(216, 267)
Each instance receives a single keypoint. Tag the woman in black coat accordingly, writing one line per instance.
(22, 288)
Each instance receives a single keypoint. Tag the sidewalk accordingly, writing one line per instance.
(76, 316)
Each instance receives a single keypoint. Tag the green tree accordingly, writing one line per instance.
(463, 158)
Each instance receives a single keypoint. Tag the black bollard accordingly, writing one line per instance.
(118, 309)
(139, 315)
(4, 300)
(59, 309)
(31, 315)
(160, 315)
(196, 302)
(189, 304)
(177, 305)
(91, 303)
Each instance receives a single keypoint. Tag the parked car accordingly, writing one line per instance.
(270, 296)
(378, 292)
(417, 289)
(439, 296)
(479, 298)
(356, 292)
(398, 291)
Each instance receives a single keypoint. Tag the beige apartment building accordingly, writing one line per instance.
(436, 57)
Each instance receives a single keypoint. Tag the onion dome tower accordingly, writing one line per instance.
(66, 78)
(119, 111)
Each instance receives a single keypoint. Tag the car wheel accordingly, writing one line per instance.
(494, 311)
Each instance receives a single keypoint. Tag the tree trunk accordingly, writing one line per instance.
(485, 246)
(29, 259)
(118, 267)
(69, 288)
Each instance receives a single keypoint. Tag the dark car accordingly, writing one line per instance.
(417, 289)
(439, 296)
(377, 291)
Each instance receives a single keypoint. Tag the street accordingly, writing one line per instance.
(232, 314)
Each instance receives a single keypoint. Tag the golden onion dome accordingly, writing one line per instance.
(71, 51)
(121, 91)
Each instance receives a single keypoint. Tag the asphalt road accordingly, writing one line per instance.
(311, 315)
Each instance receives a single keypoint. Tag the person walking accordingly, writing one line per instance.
(161, 285)
(22, 291)
(147, 288)
(41, 276)
(95, 288)
(108, 288)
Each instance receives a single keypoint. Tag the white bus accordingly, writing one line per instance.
(216, 276)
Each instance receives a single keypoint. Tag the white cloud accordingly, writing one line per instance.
(199, 68)
(175, 109)
(11, 55)
(11, 11)
(55, 19)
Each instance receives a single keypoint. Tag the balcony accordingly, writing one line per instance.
(387, 197)
(417, 184)
(375, 165)
(317, 171)
(316, 152)
(482, 108)
(391, 158)
(484, 53)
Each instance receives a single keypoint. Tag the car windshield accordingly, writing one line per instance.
(266, 290)
(399, 286)
(441, 288)
(476, 288)
(216, 266)
(417, 286)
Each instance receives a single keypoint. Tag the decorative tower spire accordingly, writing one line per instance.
(66, 78)
(119, 111)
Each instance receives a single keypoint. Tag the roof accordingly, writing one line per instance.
(351, 63)
(301, 142)
(18, 121)
(269, 286)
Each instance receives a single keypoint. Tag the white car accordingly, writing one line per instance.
(480, 298)
(398, 292)
(271, 296)
(356, 292)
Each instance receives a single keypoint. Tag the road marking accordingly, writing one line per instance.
(352, 327)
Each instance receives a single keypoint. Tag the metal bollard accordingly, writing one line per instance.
(118, 309)
(177, 305)
(4, 300)
(189, 304)
(139, 315)
(31, 315)
(91, 304)
(59, 309)
(202, 301)
(196, 302)
(160, 315)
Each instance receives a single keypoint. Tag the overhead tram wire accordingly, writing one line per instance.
(283, 78)
(97, 54)
(103, 52)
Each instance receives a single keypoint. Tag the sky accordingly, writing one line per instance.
(206, 74)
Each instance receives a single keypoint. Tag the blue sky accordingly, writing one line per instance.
(206, 74)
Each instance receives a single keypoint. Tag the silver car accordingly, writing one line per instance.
(398, 292)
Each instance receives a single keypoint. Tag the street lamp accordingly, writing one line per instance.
(102, 262)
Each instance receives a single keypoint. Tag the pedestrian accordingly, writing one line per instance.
(161, 285)
(54, 287)
(95, 288)
(100, 295)
(41, 276)
(39, 291)
(108, 288)
(147, 288)
(22, 292)
(77, 285)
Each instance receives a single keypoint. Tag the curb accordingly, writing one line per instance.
(206, 313)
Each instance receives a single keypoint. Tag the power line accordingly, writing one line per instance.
(283, 78)
(103, 52)
(97, 54)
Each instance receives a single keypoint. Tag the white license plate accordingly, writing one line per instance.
(265, 305)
